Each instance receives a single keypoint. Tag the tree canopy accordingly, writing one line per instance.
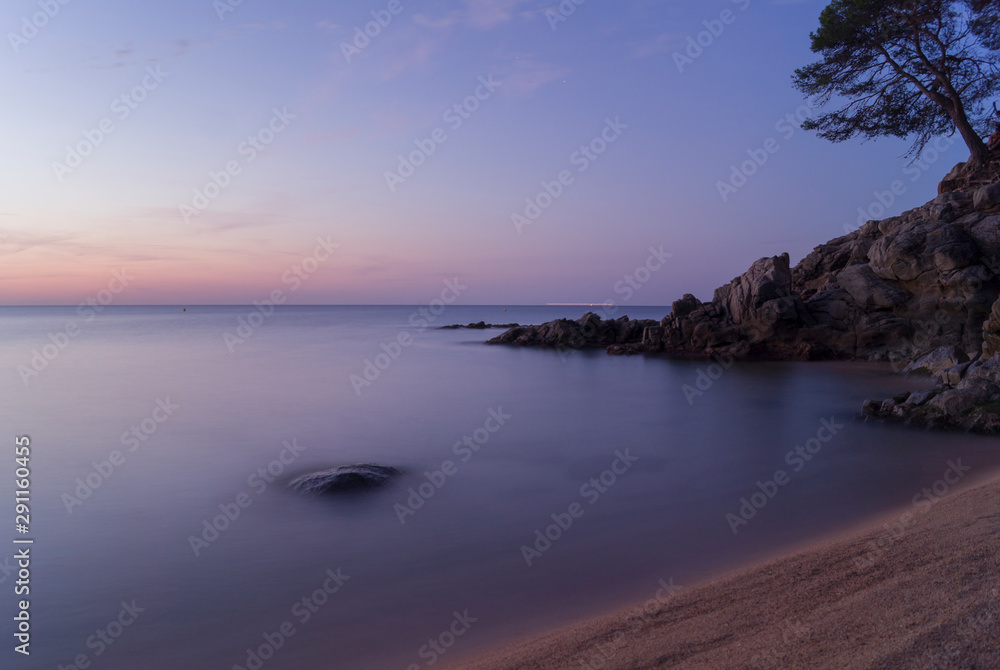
(906, 68)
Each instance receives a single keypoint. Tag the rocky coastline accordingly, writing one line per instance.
(920, 290)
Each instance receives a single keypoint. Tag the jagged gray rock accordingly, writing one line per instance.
(987, 199)
(991, 332)
(937, 362)
(972, 405)
(590, 331)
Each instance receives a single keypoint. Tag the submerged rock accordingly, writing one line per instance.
(345, 479)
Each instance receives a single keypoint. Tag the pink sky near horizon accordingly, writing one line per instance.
(346, 124)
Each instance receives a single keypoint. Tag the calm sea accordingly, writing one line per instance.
(165, 536)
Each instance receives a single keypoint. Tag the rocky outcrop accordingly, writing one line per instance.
(588, 332)
(891, 290)
(482, 325)
(991, 332)
(966, 398)
(345, 479)
(742, 300)
(966, 176)
(897, 290)
(937, 362)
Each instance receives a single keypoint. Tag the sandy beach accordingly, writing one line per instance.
(920, 588)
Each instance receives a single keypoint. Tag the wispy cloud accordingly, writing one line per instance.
(478, 14)
(130, 55)
(655, 45)
(417, 54)
(524, 75)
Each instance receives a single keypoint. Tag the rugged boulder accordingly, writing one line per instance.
(743, 299)
(588, 332)
(937, 362)
(345, 479)
(991, 332)
(968, 399)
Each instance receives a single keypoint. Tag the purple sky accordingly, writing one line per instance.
(204, 147)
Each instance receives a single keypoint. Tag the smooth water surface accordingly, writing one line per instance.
(566, 419)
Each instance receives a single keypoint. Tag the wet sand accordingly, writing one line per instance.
(918, 589)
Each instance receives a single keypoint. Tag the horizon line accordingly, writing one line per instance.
(366, 304)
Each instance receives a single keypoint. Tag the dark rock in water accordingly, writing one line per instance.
(891, 290)
(972, 404)
(590, 331)
(482, 325)
(921, 290)
(345, 479)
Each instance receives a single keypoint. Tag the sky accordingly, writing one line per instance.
(369, 151)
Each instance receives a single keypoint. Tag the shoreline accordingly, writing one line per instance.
(915, 586)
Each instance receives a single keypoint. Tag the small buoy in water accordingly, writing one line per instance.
(185, 309)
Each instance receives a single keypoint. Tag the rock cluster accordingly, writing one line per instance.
(892, 290)
(590, 331)
(967, 397)
(481, 325)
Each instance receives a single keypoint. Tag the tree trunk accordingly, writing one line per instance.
(979, 152)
